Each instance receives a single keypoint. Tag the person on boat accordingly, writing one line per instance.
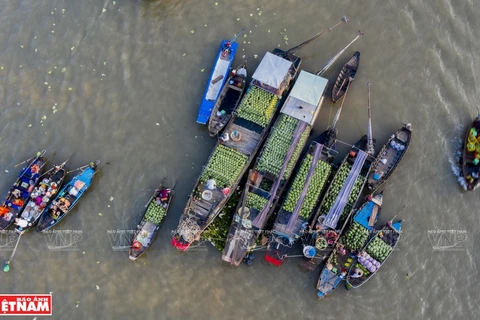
(54, 212)
(225, 190)
(221, 113)
(224, 137)
(211, 184)
(357, 273)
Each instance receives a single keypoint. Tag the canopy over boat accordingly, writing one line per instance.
(305, 98)
(271, 72)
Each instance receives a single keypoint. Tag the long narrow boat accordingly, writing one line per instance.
(374, 255)
(18, 195)
(299, 204)
(350, 242)
(228, 100)
(247, 130)
(306, 190)
(151, 222)
(67, 198)
(340, 198)
(389, 157)
(40, 198)
(218, 76)
(470, 162)
(274, 165)
(346, 75)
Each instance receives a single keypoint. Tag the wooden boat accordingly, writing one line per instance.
(350, 242)
(67, 198)
(151, 222)
(346, 75)
(40, 198)
(246, 130)
(218, 76)
(298, 208)
(228, 100)
(246, 137)
(470, 162)
(290, 224)
(18, 195)
(274, 165)
(340, 198)
(367, 262)
(327, 222)
(389, 157)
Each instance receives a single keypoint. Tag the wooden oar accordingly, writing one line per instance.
(331, 61)
(38, 155)
(337, 115)
(371, 148)
(301, 45)
(6, 266)
(236, 36)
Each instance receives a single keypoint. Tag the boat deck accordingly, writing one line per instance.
(248, 142)
(202, 208)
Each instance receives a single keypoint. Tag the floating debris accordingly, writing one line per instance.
(111, 198)
(192, 31)
(98, 288)
(44, 117)
(30, 125)
(157, 124)
(100, 214)
(255, 56)
(64, 69)
(70, 88)
(104, 10)
(114, 2)
(72, 48)
(6, 170)
(202, 70)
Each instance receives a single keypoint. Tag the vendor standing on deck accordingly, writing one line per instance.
(211, 184)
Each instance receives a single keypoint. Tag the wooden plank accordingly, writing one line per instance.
(371, 222)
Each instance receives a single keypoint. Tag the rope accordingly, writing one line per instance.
(188, 230)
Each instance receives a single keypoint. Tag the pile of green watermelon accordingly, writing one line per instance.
(336, 187)
(355, 237)
(258, 106)
(320, 175)
(225, 165)
(155, 213)
(255, 201)
(378, 249)
(277, 145)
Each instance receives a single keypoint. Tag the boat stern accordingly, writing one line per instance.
(180, 246)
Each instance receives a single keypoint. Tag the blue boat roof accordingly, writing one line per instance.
(397, 225)
(363, 215)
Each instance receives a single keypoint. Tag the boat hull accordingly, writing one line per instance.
(221, 68)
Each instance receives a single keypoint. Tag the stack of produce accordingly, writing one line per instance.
(361, 267)
(155, 213)
(355, 236)
(296, 153)
(320, 175)
(357, 188)
(255, 201)
(277, 145)
(225, 166)
(378, 249)
(368, 262)
(258, 106)
(336, 187)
